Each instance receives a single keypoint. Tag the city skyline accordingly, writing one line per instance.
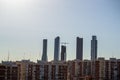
(25, 23)
(60, 51)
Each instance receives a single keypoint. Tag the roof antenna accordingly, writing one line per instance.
(30, 55)
(24, 56)
(8, 55)
(39, 55)
(112, 55)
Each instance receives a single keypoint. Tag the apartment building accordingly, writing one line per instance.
(8, 72)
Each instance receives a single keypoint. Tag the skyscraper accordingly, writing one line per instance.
(44, 55)
(63, 53)
(56, 48)
(94, 48)
(79, 48)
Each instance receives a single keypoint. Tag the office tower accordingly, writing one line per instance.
(63, 53)
(94, 48)
(44, 55)
(56, 48)
(79, 48)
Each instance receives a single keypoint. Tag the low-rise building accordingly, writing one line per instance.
(9, 72)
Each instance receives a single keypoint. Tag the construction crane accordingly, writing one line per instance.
(64, 43)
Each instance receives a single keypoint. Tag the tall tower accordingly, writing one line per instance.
(44, 55)
(79, 48)
(94, 48)
(56, 48)
(63, 53)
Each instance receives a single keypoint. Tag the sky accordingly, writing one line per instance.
(25, 23)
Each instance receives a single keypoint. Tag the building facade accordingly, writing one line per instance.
(62, 70)
(9, 72)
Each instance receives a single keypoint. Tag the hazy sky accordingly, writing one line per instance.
(24, 23)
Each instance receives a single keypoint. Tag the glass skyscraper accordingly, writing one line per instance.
(44, 54)
(79, 48)
(63, 53)
(94, 48)
(56, 48)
